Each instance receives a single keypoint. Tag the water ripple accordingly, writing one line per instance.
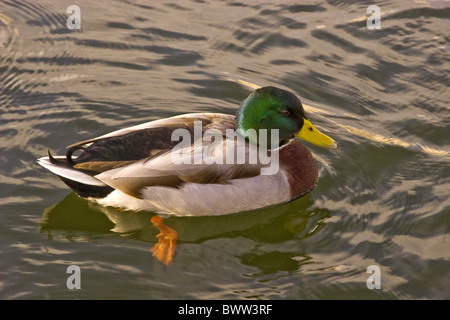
(382, 197)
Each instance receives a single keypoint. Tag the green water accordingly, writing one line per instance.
(382, 197)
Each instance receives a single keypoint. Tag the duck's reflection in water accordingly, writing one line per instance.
(75, 213)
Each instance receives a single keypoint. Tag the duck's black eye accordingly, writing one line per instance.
(285, 113)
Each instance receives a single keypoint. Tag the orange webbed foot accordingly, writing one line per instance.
(167, 240)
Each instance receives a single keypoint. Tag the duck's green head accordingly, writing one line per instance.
(273, 108)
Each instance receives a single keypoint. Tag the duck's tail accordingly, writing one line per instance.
(82, 183)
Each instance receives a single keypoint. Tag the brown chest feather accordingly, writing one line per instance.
(301, 168)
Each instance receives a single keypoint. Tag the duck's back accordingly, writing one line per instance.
(146, 140)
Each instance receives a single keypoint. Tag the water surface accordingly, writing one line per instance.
(382, 197)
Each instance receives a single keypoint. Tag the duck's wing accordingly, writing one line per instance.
(198, 163)
(142, 141)
(124, 147)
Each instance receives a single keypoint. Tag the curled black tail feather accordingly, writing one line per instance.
(71, 150)
(56, 161)
(82, 189)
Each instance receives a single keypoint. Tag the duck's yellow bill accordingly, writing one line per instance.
(312, 135)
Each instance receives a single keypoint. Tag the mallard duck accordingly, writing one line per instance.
(199, 163)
